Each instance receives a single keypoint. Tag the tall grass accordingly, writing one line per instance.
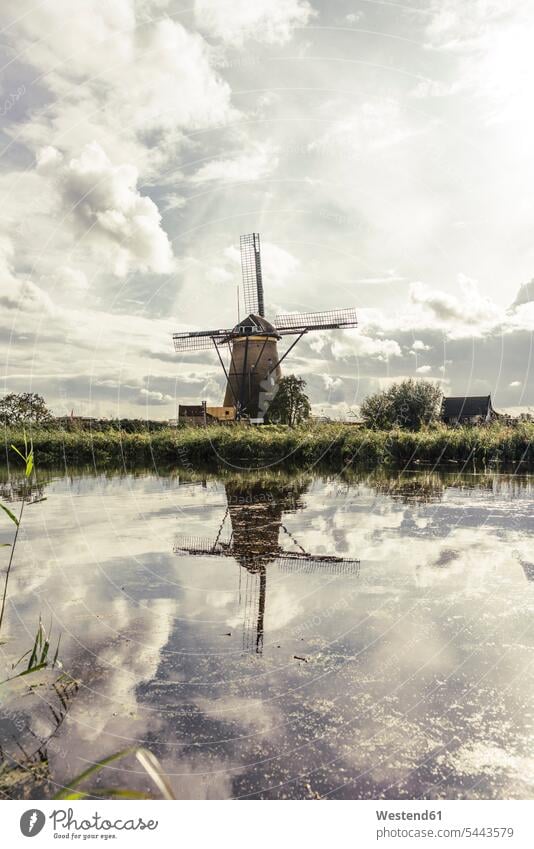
(27, 459)
(333, 443)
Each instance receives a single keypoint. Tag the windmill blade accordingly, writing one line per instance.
(303, 562)
(200, 339)
(202, 546)
(251, 270)
(304, 321)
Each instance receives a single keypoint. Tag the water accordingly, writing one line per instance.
(276, 636)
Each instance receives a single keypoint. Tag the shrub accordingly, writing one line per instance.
(409, 404)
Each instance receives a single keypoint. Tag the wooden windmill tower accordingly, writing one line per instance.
(254, 370)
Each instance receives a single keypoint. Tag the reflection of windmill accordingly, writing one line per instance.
(253, 540)
(254, 371)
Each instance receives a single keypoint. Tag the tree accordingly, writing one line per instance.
(409, 404)
(290, 404)
(23, 409)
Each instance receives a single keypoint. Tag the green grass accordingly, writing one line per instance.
(326, 444)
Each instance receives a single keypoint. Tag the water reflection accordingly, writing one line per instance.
(25, 737)
(250, 532)
(412, 681)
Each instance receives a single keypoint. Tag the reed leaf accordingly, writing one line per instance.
(92, 770)
(11, 515)
(148, 761)
(153, 767)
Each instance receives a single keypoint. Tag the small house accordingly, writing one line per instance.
(470, 409)
(201, 414)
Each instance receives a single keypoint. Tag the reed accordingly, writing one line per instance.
(333, 444)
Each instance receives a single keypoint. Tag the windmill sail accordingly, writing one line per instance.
(303, 321)
(200, 339)
(251, 270)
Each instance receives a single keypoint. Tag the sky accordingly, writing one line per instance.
(382, 151)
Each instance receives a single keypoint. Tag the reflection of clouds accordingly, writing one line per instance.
(107, 714)
(388, 756)
(246, 714)
(401, 659)
(494, 763)
(284, 606)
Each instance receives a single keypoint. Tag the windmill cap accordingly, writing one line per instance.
(255, 322)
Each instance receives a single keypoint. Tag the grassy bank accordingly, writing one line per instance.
(331, 444)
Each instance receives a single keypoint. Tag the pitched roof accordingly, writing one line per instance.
(256, 321)
(466, 407)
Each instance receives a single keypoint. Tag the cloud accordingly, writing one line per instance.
(472, 309)
(444, 306)
(72, 279)
(140, 128)
(354, 17)
(154, 397)
(392, 278)
(344, 345)
(369, 127)
(109, 209)
(22, 295)
(134, 85)
(250, 165)
(525, 294)
(268, 21)
(279, 267)
(334, 387)
(492, 39)
(48, 158)
(455, 25)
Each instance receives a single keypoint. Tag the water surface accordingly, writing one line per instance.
(277, 636)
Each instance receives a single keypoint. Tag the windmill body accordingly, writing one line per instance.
(254, 370)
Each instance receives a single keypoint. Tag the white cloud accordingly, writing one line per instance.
(331, 382)
(357, 344)
(354, 17)
(424, 369)
(48, 158)
(117, 80)
(419, 345)
(109, 210)
(457, 25)
(249, 165)
(444, 306)
(72, 278)
(369, 127)
(16, 294)
(154, 397)
(525, 294)
(279, 266)
(268, 21)
(493, 39)
(473, 309)
(392, 278)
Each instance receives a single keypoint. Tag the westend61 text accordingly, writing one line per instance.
(409, 815)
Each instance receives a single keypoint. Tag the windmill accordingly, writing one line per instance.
(254, 371)
(253, 538)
